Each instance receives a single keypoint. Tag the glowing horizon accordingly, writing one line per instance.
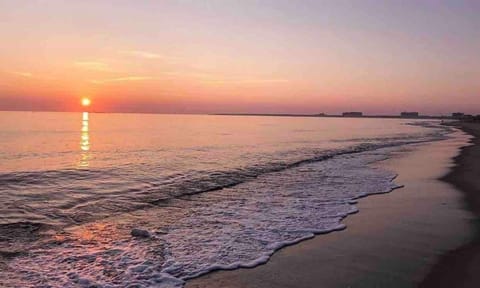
(241, 56)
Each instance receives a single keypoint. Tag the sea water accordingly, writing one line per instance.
(211, 192)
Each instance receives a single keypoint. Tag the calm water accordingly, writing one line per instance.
(213, 191)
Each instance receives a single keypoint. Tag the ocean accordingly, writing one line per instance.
(207, 192)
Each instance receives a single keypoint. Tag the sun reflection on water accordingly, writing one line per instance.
(84, 142)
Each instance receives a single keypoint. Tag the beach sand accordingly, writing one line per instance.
(393, 241)
(461, 267)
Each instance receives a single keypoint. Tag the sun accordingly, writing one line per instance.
(86, 102)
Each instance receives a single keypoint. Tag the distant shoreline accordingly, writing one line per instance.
(335, 116)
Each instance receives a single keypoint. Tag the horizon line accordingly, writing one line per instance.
(321, 114)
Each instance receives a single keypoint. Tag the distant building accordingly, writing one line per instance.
(409, 114)
(321, 114)
(458, 115)
(352, 114)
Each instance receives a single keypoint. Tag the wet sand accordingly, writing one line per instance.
(461, 267)
(393, 241)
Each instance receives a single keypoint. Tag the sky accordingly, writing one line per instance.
(245, 56)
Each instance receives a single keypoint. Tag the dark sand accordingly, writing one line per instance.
(461, 267)
(393, 242)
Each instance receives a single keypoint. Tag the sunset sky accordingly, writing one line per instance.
(241, 56)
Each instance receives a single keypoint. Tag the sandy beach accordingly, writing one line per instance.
(395, 239)
(461, 267)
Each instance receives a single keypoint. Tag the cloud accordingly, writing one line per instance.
(142, 54)
(23, 74)
(246, 81)
(93, 65)
(149, 55)
(122, 79)
(30, 75)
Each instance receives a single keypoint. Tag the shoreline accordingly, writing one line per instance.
(419, 117)
(387, 244)
(461, 267)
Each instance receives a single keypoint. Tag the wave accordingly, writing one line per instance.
(80, 196)
(240, 226)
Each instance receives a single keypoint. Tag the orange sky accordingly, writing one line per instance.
(240, 56)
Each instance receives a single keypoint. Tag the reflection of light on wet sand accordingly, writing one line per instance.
(98, 232)
(85, 142)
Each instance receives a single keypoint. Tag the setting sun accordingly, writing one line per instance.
(86, 102)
